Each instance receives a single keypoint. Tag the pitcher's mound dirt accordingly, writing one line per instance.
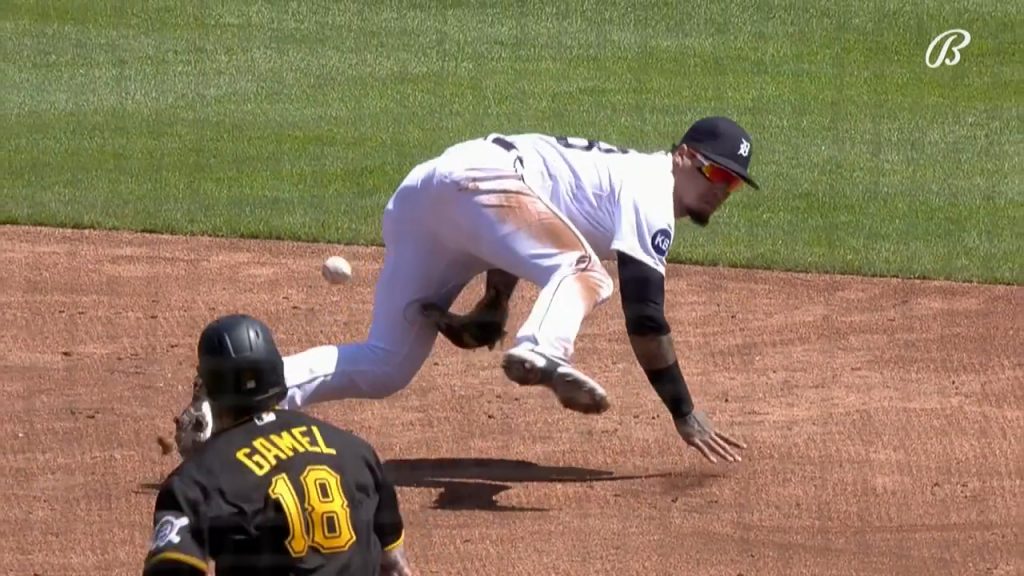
(884, 418)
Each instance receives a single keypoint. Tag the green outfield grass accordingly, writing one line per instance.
(297, 119)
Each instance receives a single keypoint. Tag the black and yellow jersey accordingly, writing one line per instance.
(282, 493)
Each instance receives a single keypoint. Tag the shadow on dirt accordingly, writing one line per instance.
(475, 483)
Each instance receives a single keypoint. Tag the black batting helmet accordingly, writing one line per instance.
(239, 364)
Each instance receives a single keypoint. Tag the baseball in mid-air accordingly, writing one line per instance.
(336, 270)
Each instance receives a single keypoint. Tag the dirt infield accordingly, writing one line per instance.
(885, 418)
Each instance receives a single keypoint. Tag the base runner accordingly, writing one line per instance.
(271, 491)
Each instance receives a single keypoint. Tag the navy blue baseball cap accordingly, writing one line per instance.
(723, 142)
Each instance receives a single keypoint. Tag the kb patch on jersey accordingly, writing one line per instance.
(661, 241)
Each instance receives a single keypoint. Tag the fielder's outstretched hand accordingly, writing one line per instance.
(697, 431)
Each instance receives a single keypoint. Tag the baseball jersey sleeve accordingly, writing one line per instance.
(644, 226)
(387, 520)
(178, 535)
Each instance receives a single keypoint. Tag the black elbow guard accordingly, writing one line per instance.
(645, 319)
(643, 297)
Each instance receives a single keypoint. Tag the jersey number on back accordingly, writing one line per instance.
(325, 522)
(577, 143)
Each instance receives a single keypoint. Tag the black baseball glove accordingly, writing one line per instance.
(481, 327)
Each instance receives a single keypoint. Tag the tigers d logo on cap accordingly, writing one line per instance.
(723, 142)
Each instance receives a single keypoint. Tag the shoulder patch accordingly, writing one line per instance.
(661, 241)
(166, 531)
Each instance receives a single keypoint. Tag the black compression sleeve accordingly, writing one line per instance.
(643, 301)
(642, 289)
(668, 382)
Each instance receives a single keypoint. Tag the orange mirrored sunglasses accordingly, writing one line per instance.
(718, 175)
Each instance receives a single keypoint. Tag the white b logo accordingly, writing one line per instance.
(950, 36)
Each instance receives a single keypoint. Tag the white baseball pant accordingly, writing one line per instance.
(451, 219)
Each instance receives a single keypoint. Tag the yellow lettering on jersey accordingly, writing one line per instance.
(265, 452)
(268, 450)
(255, 462)
(320, 441)
(287, 443)
(300, 433)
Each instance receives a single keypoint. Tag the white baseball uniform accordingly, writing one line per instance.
(545, 209)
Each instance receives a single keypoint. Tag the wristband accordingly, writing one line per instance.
(668, 382)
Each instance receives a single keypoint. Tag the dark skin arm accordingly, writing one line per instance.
(642, 289)
(657, 352)
(653, 352)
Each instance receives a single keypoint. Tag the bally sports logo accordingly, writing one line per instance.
(661, 241)
(960, 36)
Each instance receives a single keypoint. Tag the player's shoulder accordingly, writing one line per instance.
(186, 481)
(647, 170)
(652, 163)
(206, 465)
(521, 138)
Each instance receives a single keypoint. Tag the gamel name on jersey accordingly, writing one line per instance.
(265, 452)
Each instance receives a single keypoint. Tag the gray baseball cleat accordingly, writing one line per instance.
(575, 390)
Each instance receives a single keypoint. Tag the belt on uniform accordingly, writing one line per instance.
(508, 147)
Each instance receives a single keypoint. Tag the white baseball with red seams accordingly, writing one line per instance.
(548, 211)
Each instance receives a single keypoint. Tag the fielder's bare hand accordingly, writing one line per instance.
(697, 431)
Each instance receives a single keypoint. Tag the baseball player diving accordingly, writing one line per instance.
(549, 210)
